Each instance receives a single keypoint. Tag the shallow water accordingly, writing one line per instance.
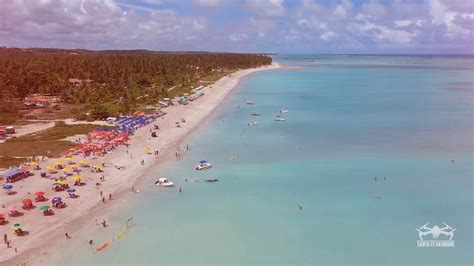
(350, 118)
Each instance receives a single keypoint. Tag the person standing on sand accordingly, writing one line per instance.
(8, 243)
(103, 199)
(5, 238)
(110, 196)
(67, 236)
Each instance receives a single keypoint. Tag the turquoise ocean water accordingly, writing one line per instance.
(350, 118)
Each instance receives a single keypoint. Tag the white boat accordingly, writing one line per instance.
(203, 165)
(283, 111)
(249, 102)
(279, 118)
(164, 182)
(255, 114)
(252, 123)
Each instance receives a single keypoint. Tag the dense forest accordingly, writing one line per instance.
(114, 77)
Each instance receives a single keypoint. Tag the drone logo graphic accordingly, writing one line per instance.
(436, 232)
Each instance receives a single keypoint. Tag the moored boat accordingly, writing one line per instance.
(164, 182)
(203, 165)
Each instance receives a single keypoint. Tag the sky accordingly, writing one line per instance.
(280, 26)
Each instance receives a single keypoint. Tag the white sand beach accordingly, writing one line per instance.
(42, 231)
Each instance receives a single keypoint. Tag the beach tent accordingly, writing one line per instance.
(13, 175)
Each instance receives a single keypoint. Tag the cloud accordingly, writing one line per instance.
(266, 8)
(245, 25)
(209, 3)
(237, 37)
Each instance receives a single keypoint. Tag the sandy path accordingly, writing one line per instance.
(45, 230)
(30, 128)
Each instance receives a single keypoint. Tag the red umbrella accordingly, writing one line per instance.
(39, 193)
(2, 216)
(27, 202)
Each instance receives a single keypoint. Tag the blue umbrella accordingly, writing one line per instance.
(70, 190)
(7, 186)
(56, 199)
(203, 161)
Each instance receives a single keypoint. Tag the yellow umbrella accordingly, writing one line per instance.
(77, 177)
(84, 162)
(68, 158)
(62, 182)
(97, 166)
(73, 165)
(59, 163)
(66, 169)
(50, 167)
(34, 163)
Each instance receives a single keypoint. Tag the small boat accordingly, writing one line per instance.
(164, 182)
(283, 111)
(255, 114)
(249, 102)
(212, 180)
(203, 165)
(252, 123)
(279, 118)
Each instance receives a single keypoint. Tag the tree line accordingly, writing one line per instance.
(117, 77)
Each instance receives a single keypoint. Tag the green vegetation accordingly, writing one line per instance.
(49, 142)
(8, 113)
(7, 161)
(111, 82)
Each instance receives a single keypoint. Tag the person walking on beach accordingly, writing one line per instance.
(8, 243)
(101, 193)
(103, 199)
(67, 236)
(5, 238)
(110, 196)
(104, 224)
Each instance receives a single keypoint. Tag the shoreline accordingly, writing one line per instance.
(35, 247)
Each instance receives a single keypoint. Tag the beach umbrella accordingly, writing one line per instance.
(69, 158)
(83, 162)
(25, 168)
(58, 163)
(62, 182)
(70, 190)
(27, 201)
(50, 167)
(97, 166)
(44, 208)
(77, 177)
(66, 169)
(39, 193)
(55, 184)
(16, 226)
(2, 216)
(12, 208)
(8, 186)
(56, 199)
(73, 165)
(203, 161)
(34, 163)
